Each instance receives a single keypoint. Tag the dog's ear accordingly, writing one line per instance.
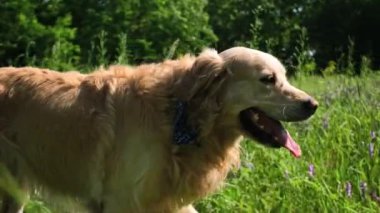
(205, 76)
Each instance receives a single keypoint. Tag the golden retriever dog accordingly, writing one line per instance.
(151, 138)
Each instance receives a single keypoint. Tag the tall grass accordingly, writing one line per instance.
(341, 144)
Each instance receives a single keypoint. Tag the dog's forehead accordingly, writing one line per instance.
(254, 61)
(273, 64)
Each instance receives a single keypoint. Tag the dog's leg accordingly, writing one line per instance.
(95, 206)
(9, 205)
(188, 209)
(15, 186)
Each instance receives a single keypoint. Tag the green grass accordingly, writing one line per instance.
(335, 141)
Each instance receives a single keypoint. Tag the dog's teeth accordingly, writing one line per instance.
(276, 138)
(255, 117)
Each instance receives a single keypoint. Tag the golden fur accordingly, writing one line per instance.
(106, 136)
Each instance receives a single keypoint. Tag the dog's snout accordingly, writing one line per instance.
(311, 104)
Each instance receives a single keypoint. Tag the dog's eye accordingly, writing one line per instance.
(270, 79)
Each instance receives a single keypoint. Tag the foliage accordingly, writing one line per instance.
(331, 23)
(27, 35)
(151, 27)
(62, 34)
(365, 66)
(303, 55)
(272, 26)
(330, 69)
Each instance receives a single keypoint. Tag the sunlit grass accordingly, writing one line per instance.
(336, 142)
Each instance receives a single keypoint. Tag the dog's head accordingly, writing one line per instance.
(258, 94)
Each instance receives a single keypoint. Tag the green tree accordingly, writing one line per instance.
(269, 25)
(333, 25)
(29, 30)
(151, 26)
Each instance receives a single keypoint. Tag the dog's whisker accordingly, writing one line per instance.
(283, 112)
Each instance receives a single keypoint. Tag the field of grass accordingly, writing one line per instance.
(339, 170)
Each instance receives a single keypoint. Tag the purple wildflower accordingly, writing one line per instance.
(373, 136)
(249, 165)
(325, 122)
(286, 174)
(371, 149)
(348, 189)
(311, 170)
(363, 189)
(375, 197)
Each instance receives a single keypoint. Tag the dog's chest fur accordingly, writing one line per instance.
(155, 171)
(168, 177)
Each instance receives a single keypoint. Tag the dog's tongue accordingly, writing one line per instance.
(274, 132)
(275, 128)
(291, 145)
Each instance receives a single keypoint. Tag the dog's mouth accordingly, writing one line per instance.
(266, 130)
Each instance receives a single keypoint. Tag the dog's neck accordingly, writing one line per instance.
(183, 133)
(197, 119)
(204, 162)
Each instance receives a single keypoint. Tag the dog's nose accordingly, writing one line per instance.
(311, 104)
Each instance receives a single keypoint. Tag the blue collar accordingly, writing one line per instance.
(183, 134)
